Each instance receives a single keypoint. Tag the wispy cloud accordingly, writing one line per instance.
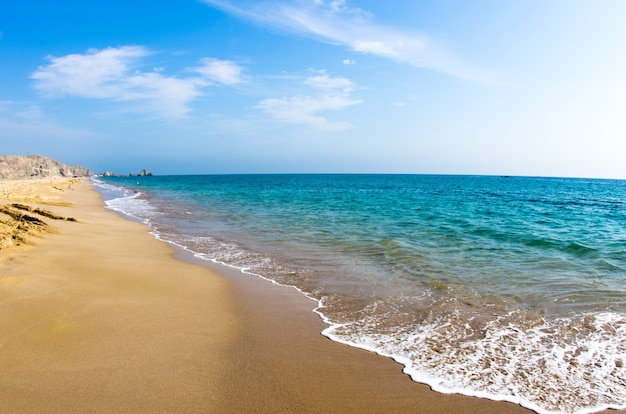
(115, 74)
(327, 94)
(336, 23)
(222, 71)
(328, 83)
(20, 111)
(305, 109)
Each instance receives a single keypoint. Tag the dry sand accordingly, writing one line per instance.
(100, 317)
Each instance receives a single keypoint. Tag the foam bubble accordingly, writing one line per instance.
(568, 365)
(127, 202)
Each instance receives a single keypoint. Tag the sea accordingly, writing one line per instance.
(506, 288)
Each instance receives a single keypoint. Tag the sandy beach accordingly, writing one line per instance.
(97, 316)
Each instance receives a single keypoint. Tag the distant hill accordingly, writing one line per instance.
(18, 167)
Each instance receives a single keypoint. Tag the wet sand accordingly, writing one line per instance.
(99, 316)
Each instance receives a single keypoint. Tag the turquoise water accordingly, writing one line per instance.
(506, 288)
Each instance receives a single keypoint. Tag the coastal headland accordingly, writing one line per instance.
(17, 167)
(98, 316)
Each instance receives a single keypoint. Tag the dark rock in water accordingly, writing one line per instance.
(18, 167)
(143, 173)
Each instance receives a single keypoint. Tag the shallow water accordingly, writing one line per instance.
(504, 288)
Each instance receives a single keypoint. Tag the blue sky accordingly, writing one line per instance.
(520, 87)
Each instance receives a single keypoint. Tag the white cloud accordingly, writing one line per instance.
(222, 71)
(326, 82)
(113, 74)
(334, 95)
(95, 74)
(166, 96)
(348, 62)
(306, 109)
(336, 23)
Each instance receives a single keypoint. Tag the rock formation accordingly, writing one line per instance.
(23, 214)
(143, 173)
(17, 167)
(19, 222)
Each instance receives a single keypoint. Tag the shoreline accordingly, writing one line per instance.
(94, 321)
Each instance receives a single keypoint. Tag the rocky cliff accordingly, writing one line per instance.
(17, 167)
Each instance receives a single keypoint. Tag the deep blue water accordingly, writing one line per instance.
(502, 287)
